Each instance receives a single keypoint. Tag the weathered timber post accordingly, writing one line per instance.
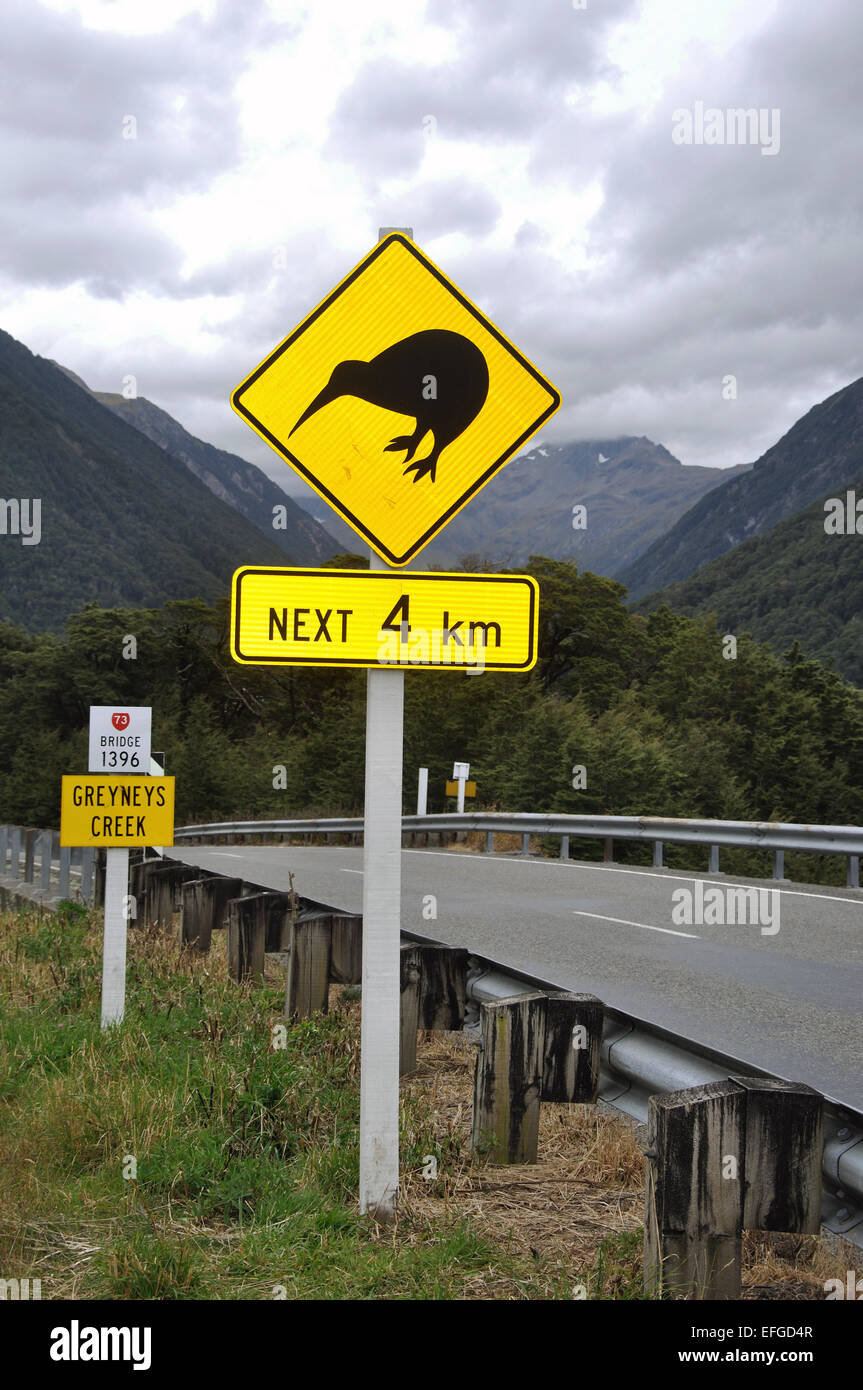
(693, 1205)
(508, 1078)
(30, 838)
(573, 1042)
(246, 939)
(140, 886)
(163, 888)
(204, 909)
(46, 850)
(99, 878)
(346, 957)
(307, 986)
(276, 911)
(782, 1165)
(409, 1010)
(433, 993)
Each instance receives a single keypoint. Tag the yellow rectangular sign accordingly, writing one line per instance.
(116, 812)
(469, 788)
(325, 617)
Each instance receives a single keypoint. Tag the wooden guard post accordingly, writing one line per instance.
(744, 1153)
(533, 1048)
(508, 1079)
(346, 958)
(162, 892)
(258, 923)
(204, 909)
(308, 982)
(433, 992)
(573, 1045)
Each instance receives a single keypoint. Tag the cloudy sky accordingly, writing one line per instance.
(183, 180)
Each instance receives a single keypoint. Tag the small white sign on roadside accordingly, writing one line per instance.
(460, 772)
(120, 738)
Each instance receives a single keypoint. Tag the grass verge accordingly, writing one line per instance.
(206, 1150)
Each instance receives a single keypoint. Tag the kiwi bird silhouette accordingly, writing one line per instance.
(438, 377)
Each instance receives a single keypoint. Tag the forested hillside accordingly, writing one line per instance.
(121, 520)
(821, 454)
(795, 583)
(662, 723)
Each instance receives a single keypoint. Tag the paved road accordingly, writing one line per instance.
(791, 1002)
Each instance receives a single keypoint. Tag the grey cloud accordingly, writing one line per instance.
(445, 205)
(55, 244)
(65, 95)
(513, 67)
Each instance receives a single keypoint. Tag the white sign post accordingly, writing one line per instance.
(422, 791)
(119, 742)
(460, 774)
(382, 896)
(114, 937)
(395, 297)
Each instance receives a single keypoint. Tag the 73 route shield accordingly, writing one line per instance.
(396, 399)
(326, 617)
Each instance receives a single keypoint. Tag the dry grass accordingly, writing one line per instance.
(75, 1102)
(580, 1208)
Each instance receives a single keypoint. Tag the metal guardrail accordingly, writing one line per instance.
(34, 867)
(769, 835)
(640, 1060)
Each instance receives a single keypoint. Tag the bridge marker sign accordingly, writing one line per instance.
(460, 786)
(120, 738)
(115, 812)
(327, 617)
(396, 399)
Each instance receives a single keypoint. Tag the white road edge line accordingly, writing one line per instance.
(600, 868)
(643, 873)
(644, 925)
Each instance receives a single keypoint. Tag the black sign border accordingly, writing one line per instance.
(319, 487)
(236, 601)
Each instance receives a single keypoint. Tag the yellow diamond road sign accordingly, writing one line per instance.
(396, 399)
(467, 622)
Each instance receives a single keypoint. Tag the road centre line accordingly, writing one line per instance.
(644, 925)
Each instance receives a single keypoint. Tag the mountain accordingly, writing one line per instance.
(818, 456)
(122, 522)
(633, 490)
(240, 484)
(796, 583)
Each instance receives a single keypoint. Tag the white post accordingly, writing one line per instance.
(114, 940)
(423, 791)
(382, 900)
(460, 806)
(382, 891)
